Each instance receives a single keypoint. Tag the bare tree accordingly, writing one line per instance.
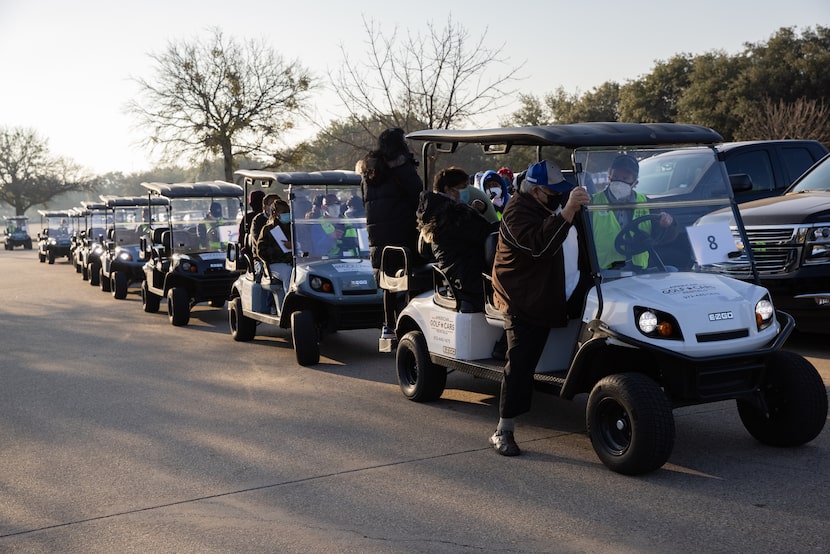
(436, 81)
(220, 98)
(30, 176)
(802, 119)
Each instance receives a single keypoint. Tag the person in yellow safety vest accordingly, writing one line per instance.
(606, 224)
(215, 220)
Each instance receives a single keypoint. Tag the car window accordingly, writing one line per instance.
(757, 165)
(796, 161)
(817, 179)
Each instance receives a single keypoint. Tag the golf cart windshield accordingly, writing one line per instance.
(16, 224)
(203, 224)
(652, 227)
(328, 221)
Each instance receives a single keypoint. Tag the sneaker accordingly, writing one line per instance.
(504, 443)
(387, 333)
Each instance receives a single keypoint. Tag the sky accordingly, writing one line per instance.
(68, 68)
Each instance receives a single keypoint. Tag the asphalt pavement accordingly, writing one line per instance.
(121, 433)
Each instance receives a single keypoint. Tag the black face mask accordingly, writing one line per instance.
(553, 202)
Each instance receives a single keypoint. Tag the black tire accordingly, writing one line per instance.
(118, 285)
(178, 306)
(41, 257)
(420, 379)
(28, 245)
(94, 272)
(795, 398)
(306, 338)
(243, 328)
(216, 302)
(630, 423)
(84, 272)
(51, 256)
(103, 280)
(77, 267)
(149, 301)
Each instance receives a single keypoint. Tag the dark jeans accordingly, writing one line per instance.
(525, 343)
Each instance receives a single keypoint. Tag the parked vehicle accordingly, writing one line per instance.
(88, 240)
(332, 285)
(17, 233)
(185, 255)
(790, 240)
(55, 236)
(130, 218)
(649, 339)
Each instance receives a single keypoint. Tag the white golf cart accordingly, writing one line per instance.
(652, 337)
(332, 284)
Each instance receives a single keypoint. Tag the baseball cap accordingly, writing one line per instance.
(548, 174)
(628, 163)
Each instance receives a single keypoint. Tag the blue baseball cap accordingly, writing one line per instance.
(548, 174)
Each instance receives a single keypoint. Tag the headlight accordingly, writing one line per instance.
(764, 311)
(53, 241)
(657, 324)
(188, 267)
(817, 245)
(125, 256)
(320, 284)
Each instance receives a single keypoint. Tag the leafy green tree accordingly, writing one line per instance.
(653, 98)
(30, 176)
(220, 98)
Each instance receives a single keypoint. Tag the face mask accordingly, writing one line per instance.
(495, 196)
(552, 202)
(285, 218)
(464, 196)
(619, 190)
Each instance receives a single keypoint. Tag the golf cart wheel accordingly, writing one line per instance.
(84, 272)
(305, 337)
(51, 256)
(103, 280)
(118, 285)
(796, 402)
(41, 257)
(216, 302)
(94, 272)
(420, 379)
(243, 328)
(630, 423)
(149, 301)
(178, 306)
(77, 267)
(28, 245)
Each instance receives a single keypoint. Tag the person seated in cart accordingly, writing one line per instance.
(274, 245)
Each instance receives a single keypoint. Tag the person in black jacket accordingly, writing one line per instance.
(390, 188)
(457, 233)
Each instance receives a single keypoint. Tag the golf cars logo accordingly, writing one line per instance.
(690, 290)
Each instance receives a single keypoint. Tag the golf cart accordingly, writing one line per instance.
(332, 284)
(88, 248)
(185, 253)
(55, 237)
(17, 233)
(652, 336)
(130, 218)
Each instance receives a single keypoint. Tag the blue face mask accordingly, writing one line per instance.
(285, 218)
(464, 196)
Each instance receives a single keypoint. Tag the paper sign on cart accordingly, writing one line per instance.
(711, 243)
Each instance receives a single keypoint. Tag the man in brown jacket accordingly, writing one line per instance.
(539, 267)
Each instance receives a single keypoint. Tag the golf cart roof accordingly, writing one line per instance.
(55, 213)
(133, 201)
(266, 178)
(576, 135)
(92, 205)
(16, 218)
(205, 189)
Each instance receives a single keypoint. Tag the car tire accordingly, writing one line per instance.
(118, 285)
(103, 281)
(630, 423)
(178, 306)
(795, 399)
(420, 379)
(94, 272)
(243, 328)
(77, 267)
(306, 337)
(149, 301)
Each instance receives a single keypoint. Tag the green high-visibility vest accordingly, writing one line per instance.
(606, 227)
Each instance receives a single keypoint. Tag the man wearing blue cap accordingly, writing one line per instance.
(540, 274)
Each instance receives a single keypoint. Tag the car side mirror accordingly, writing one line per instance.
(741, 182)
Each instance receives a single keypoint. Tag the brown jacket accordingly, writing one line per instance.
(529, 268)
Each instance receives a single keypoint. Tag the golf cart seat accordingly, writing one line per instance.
(398, 272)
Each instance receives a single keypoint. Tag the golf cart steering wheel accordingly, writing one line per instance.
(631, 240)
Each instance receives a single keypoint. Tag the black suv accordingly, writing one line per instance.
(17, 233)
(790, 240)
(185, 255)
(130, 218)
